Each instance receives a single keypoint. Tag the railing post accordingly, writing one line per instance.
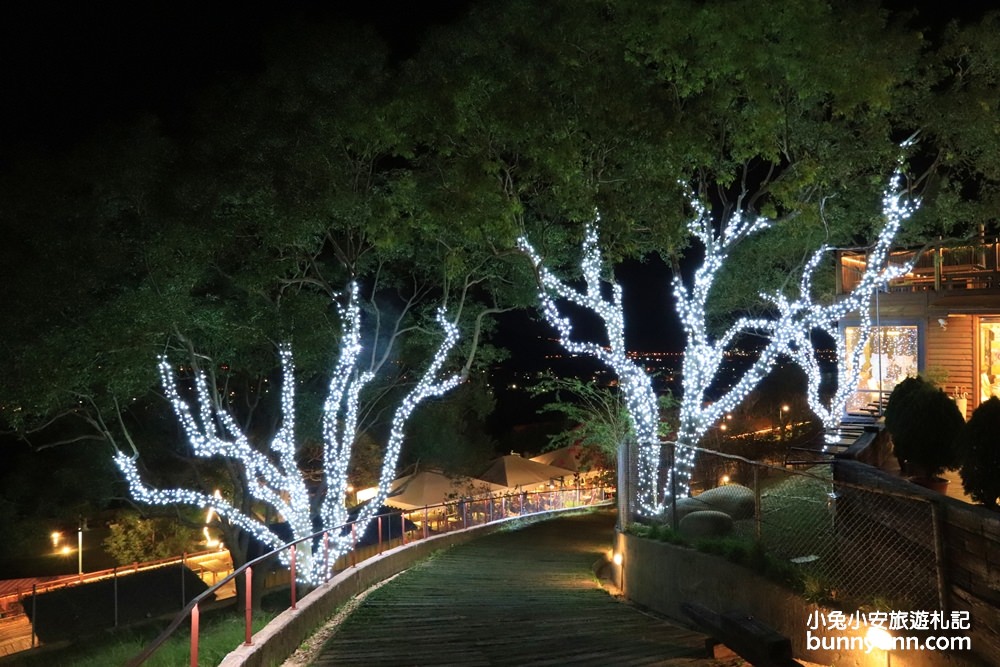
(248, 607)
(425, 522)
(326, 556)
(380, 533)
(183, 595)
(292, 573)
(34, 612)
(673, 491)
(194, 636)
(756, 503)
(939, 558)
(354, 544)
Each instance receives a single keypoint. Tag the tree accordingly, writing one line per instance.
(597, 417)
(137, 539)
(878, 272)
(787, 330)
(272, 476)
(924, 424)
(979, 454)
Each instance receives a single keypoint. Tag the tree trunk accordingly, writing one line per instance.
(239, 550)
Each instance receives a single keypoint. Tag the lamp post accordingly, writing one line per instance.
(81, 526)
(782, 416)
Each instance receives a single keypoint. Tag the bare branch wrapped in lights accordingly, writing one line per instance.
(635, 384)
(277, 481)
(896, 209)
(787, 333)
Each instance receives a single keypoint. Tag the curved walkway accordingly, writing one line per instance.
(521, 597)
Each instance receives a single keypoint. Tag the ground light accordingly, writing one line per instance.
(882, 639)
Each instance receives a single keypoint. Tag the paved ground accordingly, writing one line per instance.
(526, 597)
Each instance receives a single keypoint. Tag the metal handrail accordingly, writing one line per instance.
(76, 579)
(461, 506)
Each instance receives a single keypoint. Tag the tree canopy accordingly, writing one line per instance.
(226, 231)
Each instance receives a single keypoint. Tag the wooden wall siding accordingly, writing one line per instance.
(953, 350)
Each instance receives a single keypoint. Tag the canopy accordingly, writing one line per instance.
(564, 457)
(512, 470)
(573, 457)
(431, 487)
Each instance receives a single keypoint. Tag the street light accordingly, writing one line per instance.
(81, 526)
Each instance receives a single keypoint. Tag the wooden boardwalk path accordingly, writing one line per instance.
(523, 597)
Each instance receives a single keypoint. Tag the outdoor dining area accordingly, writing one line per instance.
(433, 501)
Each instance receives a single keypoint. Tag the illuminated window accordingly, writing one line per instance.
(989, 358)
(889, 358)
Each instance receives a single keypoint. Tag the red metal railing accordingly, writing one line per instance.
(434, 520)
(8, 600)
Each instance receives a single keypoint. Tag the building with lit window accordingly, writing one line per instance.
(942, 319)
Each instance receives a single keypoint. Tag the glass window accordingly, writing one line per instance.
(890, 356)
(989, 358)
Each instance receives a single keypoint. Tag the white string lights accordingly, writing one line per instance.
(635, 384)
(787, 333)
(275, 479)
(896, 209)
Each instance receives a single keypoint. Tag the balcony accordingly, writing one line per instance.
(936, 268)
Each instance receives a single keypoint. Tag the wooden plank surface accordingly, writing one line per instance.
(524, 597)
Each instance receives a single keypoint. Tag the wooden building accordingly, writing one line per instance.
(942, 319)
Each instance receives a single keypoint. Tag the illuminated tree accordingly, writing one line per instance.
(878, 272)
(786, 332)
(634, 383)
(274, 477)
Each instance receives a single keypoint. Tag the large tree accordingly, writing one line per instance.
(227, 230)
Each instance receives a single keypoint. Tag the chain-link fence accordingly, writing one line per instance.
(832, 541)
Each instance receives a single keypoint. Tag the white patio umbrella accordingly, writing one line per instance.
(431, 487)
(513, 470)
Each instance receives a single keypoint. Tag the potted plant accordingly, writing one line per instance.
(979, 454)
(924, 424)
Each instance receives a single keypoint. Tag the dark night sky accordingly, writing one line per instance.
(71, 67)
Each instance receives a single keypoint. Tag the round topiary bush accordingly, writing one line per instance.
(894, 409)
(979, 453)
(924, 424)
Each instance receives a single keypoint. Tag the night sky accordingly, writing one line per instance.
(70, 68)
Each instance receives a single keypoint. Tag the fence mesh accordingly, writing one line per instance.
(834, 541)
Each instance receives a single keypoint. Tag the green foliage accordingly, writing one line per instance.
(221, 632)
(450, 434)
(924, 424)
(597, 415)
(233, 229)
(137, 539)
(746, 553)
(979, 453)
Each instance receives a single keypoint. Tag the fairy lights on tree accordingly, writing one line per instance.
(879, 271)
(787, 332)
(635, 384)
(273, 477)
